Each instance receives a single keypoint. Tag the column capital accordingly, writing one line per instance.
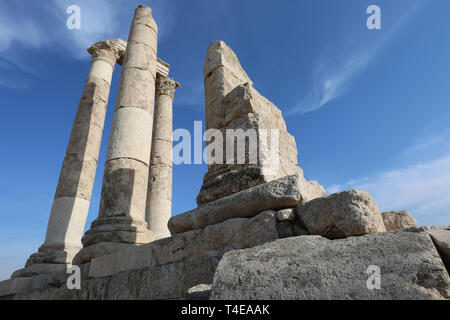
(112, 51)
(166, 86)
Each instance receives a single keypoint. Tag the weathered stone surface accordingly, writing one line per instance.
(212, 241)
(134, 88)
(99, 249)
(441, 239)
(117, 230)
(394, 220)
(66, 223)
(77, 177)
(25, 285)
(312, 267)
(199, 292)
(159, 193)
(222, 72)
(164, 269)
(169, 281)
(340, 215)
(129, 133)
(124, 189)
(13, 286)
(278, 194)
(286, 214)
(231, 103)
(39, 268)
(57, 254)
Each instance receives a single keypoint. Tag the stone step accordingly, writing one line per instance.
(277, 194)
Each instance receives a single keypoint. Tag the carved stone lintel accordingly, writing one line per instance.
(111, 50)
(166, 86)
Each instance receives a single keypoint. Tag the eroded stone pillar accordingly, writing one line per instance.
(73, 194)
(159, 195)
(121, 218)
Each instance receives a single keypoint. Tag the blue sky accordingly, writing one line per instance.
(370, 109)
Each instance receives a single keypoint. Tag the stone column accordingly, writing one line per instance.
(73, 194)
(159, 195)
(121, 218)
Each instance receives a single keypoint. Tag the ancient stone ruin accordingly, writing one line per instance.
(256, 233)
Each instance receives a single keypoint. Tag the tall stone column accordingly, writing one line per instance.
(121, 218)
(73, 194)
(159, 195)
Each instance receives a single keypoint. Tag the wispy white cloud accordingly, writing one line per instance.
(423, 187)
(333, 77)
(42, 25)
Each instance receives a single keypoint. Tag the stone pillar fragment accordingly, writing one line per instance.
(233, 104)
(121, 217)
(159, 195)
(73, 194)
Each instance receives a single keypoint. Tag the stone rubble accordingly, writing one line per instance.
(312, 267)
(341, 215)
(394, 220)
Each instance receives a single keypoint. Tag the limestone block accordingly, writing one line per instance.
(85, 142)
(230, 182)
(93, 103)
(66, 222)
(14, 285)
(214, 115)
(313, 190)
(39, 269)
(131, 129)
(112, 229)
(285, 229)
(199, 292)
(312, 267)
(212, 241)
(162, 153)
(101, 69)
(275, 195)
(219, 83)
(161, 282)
(97, 250)
(241, 177)
(76, 178)
(61, 253)
(135, 90)
(244, 99)
(340, 215)
(286, 215)
(140, 56)
(394, 220)
(141, 33)
(233, 105)
(441, 239)
(219, 54)
(124, 189)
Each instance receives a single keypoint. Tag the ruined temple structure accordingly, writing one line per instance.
(257, 233)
